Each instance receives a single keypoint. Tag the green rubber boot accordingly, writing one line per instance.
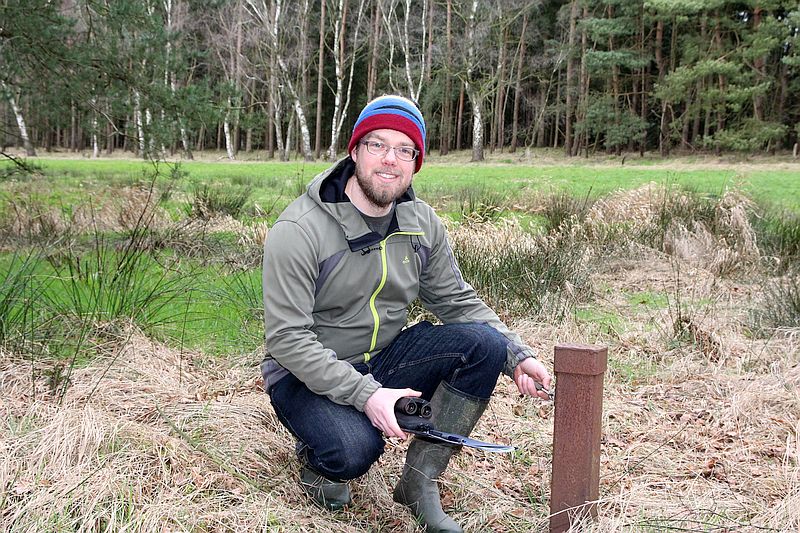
(425, 461)
(332, 495)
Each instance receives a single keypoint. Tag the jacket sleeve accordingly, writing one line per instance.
(445, 293)
(289, 275)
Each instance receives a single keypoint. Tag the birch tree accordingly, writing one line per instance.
(273, 20)
(12, 96)
(472, 82)
(344, 73)
(412, 43)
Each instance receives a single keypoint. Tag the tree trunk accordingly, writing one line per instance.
(447, 98)
(73, 128)
(584, 99)
(320, 78)
(95, 142)
(518, 85)
(226, 125)
(475, 101)
(342, 96)
(460, 118)
(374, 39)
(540, 129)
(137, 117)
(23, 129)
(557, 120)
(569, 112)
(758, 66)
(429, 52)
(499, 114)
(473, 92)
(644, 83)
(615, 85)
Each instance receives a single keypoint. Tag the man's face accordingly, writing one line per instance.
(383, 178)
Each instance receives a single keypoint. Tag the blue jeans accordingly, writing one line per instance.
(340, 442)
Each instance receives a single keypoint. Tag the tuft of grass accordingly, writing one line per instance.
(521, 274)
(780, 307)
(20, 292)
(561, 207)
(778, 234)
(480, 205)
(209, 201)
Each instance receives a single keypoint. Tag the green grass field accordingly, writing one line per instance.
(778, 185)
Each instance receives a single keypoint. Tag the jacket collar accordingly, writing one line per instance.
(327, 190)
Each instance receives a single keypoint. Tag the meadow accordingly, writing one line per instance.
(131, 332)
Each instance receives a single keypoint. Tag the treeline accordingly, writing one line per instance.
(164, 76)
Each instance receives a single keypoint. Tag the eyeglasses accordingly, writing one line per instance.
(403, 153)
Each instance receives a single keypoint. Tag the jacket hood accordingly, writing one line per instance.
(327, 191)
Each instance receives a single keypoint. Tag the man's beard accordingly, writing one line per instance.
(379, 197)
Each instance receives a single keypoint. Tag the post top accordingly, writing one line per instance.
(580, 359)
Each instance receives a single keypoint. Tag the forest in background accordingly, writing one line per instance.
(166, 77)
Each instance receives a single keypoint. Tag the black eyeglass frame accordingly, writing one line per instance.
(398, 150)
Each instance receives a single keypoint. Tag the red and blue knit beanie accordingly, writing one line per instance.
(393, 113)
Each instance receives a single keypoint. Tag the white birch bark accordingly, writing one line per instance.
(95, 144)
(137, 118)
(390, 22)
(148, 121)
(261, 13)
(23, 129)
(226, 126)
(342, 97)
(473, 91)
(169, 78)
(414, 90)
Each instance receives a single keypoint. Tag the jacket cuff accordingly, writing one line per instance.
(516, 353)
(371, 386)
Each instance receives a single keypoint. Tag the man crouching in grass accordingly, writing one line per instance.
(341, 265)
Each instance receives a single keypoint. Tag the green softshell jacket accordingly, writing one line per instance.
(335, 293)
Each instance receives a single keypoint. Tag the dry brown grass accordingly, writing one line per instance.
(700, 431)
(125, 209)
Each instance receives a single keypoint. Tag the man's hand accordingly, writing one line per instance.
(380, 410)
(527, 373)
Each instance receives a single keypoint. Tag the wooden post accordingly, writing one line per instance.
(575, 485)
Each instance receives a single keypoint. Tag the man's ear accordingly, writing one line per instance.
(353, 153)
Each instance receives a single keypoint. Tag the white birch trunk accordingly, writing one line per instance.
(342, 98)
(473, 92)
(95, 144)
(169, 79)
(287, 146)
(23, 129)
(278, 118)
(226, 126)
(414, 91)
(337, 97)
(137, 118)
(390, 22)
(305, 135)
(148, 120)
(477, 123)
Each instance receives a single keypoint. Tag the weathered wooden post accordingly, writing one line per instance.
(575, 486)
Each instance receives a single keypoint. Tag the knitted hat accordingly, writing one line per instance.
(393, 113)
